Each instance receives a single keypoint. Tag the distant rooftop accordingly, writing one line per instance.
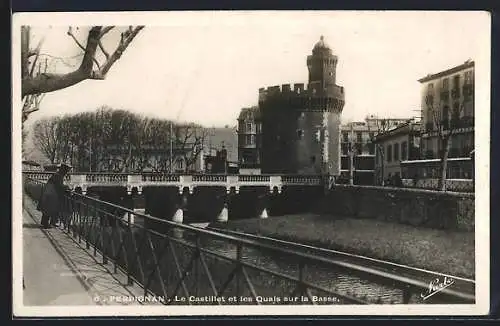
(467, 64)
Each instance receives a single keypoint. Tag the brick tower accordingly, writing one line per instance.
(301, 126)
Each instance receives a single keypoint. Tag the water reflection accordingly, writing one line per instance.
(266, 286)
(319, 274)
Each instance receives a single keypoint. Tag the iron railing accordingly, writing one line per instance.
(188, 265)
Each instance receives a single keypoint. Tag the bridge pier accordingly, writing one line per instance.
(228, 198)
(181, 205)
(263, 203)
(131, 189)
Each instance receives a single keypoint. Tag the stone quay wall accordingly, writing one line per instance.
(417, 207)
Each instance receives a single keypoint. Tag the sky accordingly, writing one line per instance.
(205, 66)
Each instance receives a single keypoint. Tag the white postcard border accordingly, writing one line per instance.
(482, 152)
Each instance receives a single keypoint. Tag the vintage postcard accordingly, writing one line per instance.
(251, 163)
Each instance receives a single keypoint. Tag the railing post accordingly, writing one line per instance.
(130, 281)
(239, 254)
(302, 287)
(197, 265)
(104, 232)
(406, 295)
(80, 219)
(83, 207)
(97, 220)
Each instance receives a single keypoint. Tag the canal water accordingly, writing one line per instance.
(340, 286)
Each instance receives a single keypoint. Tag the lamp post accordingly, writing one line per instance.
(90, 155)
(171, 143)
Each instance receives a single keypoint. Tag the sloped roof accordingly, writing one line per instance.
(252, 113)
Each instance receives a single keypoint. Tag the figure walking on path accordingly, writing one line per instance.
(51, 199)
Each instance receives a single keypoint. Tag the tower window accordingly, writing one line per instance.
(331, 73)
(300, 133)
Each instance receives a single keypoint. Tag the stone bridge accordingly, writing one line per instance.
(199, 197)
(83, 181)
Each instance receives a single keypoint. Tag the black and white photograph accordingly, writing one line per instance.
(251, 163)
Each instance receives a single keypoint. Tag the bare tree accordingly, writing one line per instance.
(189, 140)
(446, 122)
(381, 126)
(24, 137)
(156, 135)
(119, 141)
(89, 68)
(45, 137)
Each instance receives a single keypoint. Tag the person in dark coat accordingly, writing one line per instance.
(51, 200)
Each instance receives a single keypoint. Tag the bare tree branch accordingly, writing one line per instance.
(47, 82)
(105, 30)
(106, 54)
(36, 52)
(70, 33)
(127, 38)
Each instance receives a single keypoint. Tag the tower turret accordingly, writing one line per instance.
(322, 65)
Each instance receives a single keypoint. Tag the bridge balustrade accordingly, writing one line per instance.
(254, 178)
(139, 180)
(160, 177)
(112, 178)
(210, 178)
(301, 179)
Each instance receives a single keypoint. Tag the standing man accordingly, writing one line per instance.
(51, 200)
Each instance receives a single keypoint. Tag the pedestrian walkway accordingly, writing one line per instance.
(58, 271)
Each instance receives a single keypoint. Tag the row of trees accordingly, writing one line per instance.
(119, 141)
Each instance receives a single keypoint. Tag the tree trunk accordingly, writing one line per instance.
(25, 47)
(382, 169)
(444, 163)
(381, 155)
(45, 83)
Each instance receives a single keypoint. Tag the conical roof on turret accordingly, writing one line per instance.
(321, 46)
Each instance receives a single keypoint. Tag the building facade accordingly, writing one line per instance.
(249, 140)
(447, 100)
(301, 125)
(357, 141)
(399, 144)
